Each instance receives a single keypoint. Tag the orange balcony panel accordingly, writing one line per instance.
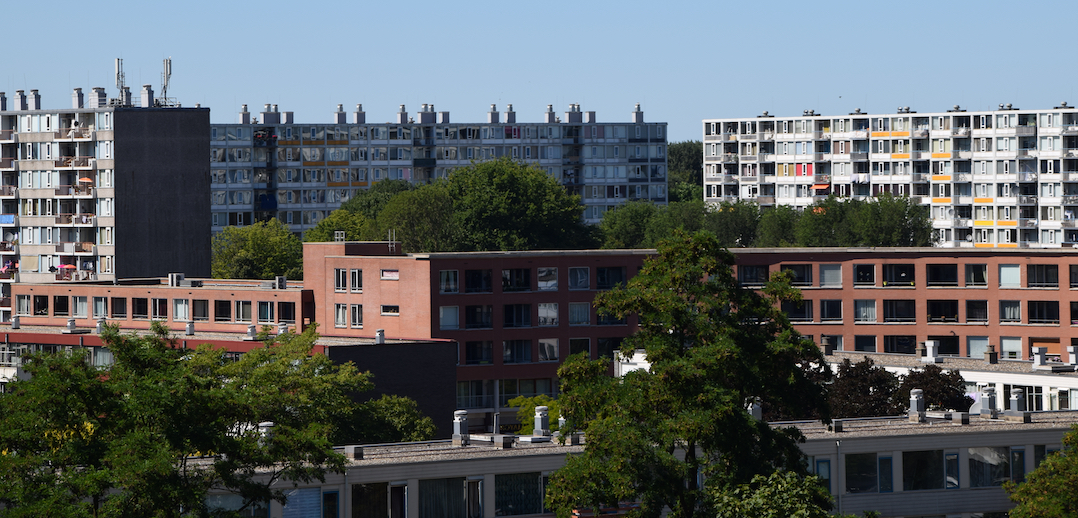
(941, 178)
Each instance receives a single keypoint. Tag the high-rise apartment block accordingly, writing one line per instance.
(1002, 178)
(267, 166)
(106, 189)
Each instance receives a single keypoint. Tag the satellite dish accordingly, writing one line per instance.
(969, 237)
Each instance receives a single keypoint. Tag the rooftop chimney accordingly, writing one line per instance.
(1018, 402)
(359, 116)
(589, 117)
(573, 115)
(917, 406)
(542, 422)
(35, 100)
(380, 337)
(460, 428)
(98, 98)
(286, 117)
(427, 115)
(77, 99)
(402, 116)
(990, 355)
(1040, 356)
(269, 114)
(443, 117)
(3, 101)
(638, 116)
(339, 117)
(492, 115)
(20, 100)
(931, 352)
(510, 115)
(548, 116)
(988, 402)
(147, 96)
(125, 96)
(245, 116)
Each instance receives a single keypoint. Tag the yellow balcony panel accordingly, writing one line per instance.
(900, 133)
(1007, 245)
(941, 200)
(941, 178)
(881, 133)
(1007, 223)
(983, 200)
(941, 155)
(983, 223)
(983, 245)
(359, 184)
(900, 156)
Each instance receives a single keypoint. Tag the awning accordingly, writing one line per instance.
(822, 186)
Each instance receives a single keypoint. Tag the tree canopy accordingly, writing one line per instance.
(154, 432)
(864, 389)
(422, 219)
(355, 225)
(369, 202)
(1048, 491)
(260, 251)
(714, 349)
(942, 390)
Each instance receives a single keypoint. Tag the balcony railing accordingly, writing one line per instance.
(75, 275)
(75, 132)
(464, 402)
(84, 189)
(75, 247)
(7, 163)
(76, 219)
(75, 161)
(7, 134)
(7, 246)
(960, 132)
(7, 190)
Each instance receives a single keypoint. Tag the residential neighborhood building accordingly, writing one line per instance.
(87, 191)
(1000, 178)
(268, 166)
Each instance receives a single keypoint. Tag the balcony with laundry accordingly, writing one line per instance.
(75, 126)
(76, 212)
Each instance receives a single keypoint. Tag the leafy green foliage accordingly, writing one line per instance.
(161, 427)
(714, 348)
(260, 251)
(624, 226)
(1048, 491)
(687, 156)
(777, 227)
(685, 216)
(356, 227)
(386, 419)
(864, 389)
(734, 224)
(370, 202)
(942, 390)
(422, 218)
(526, 411)
(781, 494)
(506, 205)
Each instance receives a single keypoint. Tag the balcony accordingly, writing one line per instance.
(821, 178)
(75, 219)
(75, 132)
(729, 158)
(1027, 199)
(7, 163)
(960, 132)
(468, 402)
(85, 189)
(919, 133)
(75, 161)
(84, 247)
(8, 190)
(1027, 222)
(75, 275)
(9, 274)
(7, 246)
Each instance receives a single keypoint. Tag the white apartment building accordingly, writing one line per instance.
(1002, 178)
(268, 166)
(102, 190)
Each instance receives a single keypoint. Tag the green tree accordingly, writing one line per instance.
(386, 419)
(864, 389)
(942, 390)
(1048, 491)
(506, 205)
(777, 227)
(370, 202)
(153, 433)
(714, 349)
(624, 226)
(356, 227)
(422, 219)
(734, 224)
(526, 411)
(894, 221)
(687, 216)
(781, 494)
(685, 162)
(830, 222)
(260, 251)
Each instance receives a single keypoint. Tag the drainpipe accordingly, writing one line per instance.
(838, 474)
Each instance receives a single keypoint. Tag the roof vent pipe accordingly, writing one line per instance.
(380, 337)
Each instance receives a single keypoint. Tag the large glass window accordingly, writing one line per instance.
(942, 275)
(1010, 311)
(864, 343)
(752, 274)
(517, 351)
(478, 317)
(478, 352)
(861, 473)
(831, 275)
(357, 315)
(976, 311)
(898, 275)
(477, 281)
(864, 274)
(243, 311)
(1043, 312)
(448, 317)
(443, 497)
(200, 310)
(1042, 275)
(864, 310)
(517, 279)
(340, 315)
(517, 494)
(140, 307)
(942, 311)
(548, 313)
(608, 277)
(976, 275)
(900, 344)
(80, 310)
(340, 279)
(61, 306)
(222, 311)
(356, 284)
(798, 311)
(548, 349)
(517, 315)
(119, 308)
(1010, 276)
(181, 310)
(830, 310)
(989, 467)
(547, 279)
(899, 311)
(579, 313)
(922, 470)
(801, 273)
(579, 278)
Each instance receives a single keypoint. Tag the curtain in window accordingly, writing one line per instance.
(978, 345)
(865, 310)
(441, 498)
(1010, 311)
(579, 313)
(830, 275)
(1011, 347)
(1010, 275)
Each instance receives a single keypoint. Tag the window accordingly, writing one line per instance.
(1010, 276)
(989, 467)
(752, 275)
(447, 281)
(608, 277)
(830, 310)
(976, 275)
(548, 314)
(1042, 276)
(579, 313)
(607, 319)
(898, 275)
(864, 311)
(478, 317)
(391, 275)
(1074, 275)
(357, 280)
(579, 278)
(222, 311)
(1010, 311)
(243, 311)
(22, 305)
(286, 312)
(580, 345)
(900, 344)
(823, 471)
(864, 274)
(1043, 312)
(899, 311)
(861, 473)
(140, 308)
(517, 279)
(864, 343)
(800, 311)
(391, 310)
(942, 275)
(801, 274)
(831, 275)
(547, 279)
(61, 306)
(340, 278)
(119, 308)
(548, 350)
(477, 281)
(356, 310)
(517, 315)
(448, 317)
(80, 306)
(517, 351)
(942, 311)
(265, 312)
(976, 311)
(340, 315)
(181, 310)
(478, 353)
(200, 310)
(606, 347)
(922, 470)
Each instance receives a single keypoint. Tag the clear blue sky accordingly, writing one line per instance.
(683, 61)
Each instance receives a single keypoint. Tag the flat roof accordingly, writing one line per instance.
(902, 426)
(960, 363)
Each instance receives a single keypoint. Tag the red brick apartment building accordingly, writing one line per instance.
(888, 300)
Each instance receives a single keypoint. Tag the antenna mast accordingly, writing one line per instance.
(120, 75)
(166, 77)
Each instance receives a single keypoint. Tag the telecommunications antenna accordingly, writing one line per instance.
(120, 75)
(165, 76)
